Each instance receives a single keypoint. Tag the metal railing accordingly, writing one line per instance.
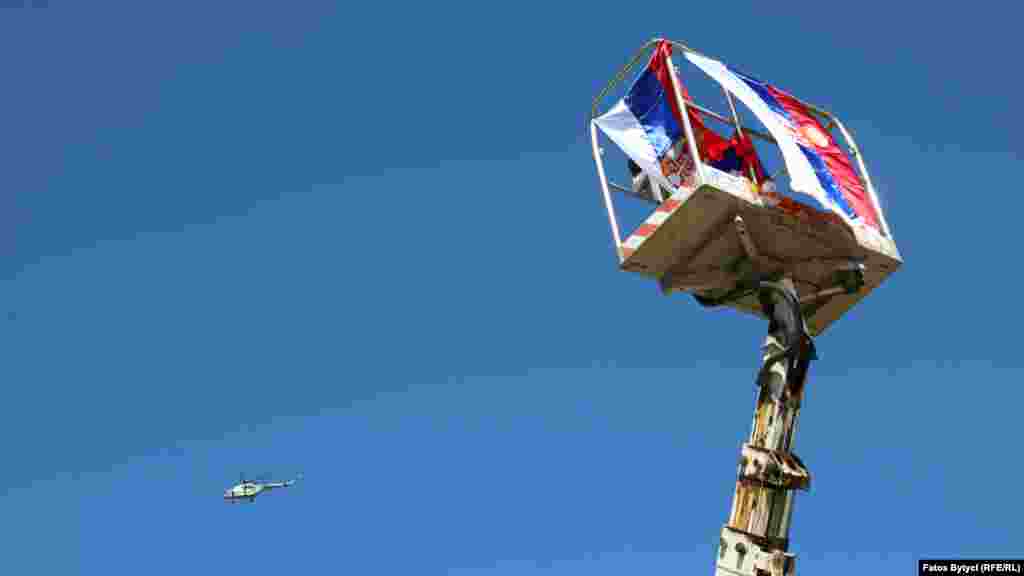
(830, 119)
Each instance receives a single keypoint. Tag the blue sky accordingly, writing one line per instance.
(367, 244)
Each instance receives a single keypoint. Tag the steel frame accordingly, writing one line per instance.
(831, 119)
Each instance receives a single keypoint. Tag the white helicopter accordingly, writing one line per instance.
(248, 490)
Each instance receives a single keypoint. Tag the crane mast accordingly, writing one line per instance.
(755, 539)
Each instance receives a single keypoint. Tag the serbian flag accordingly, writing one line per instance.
(816, 165)
(647, 122)
(736, 154)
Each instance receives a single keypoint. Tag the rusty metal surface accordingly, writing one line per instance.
(773, 468)
(740, 553)
(761, 511)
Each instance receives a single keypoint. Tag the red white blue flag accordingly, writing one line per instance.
(815, 163)
(647, 124)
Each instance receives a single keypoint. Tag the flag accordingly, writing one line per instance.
(736, 154)
(647, 124)
(815, 163)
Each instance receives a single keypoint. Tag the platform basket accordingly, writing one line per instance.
(690, 242)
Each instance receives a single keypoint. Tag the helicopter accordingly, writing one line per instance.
(248, 490)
